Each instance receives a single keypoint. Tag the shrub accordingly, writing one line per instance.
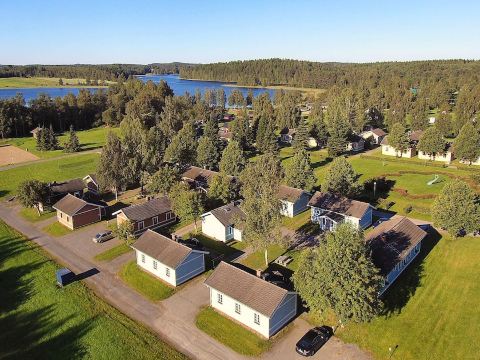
(408, 209)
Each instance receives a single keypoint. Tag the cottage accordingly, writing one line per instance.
(223, 223)
(287, 135)
(446, 156)
(198, 178)
(375, 136)
(329, 210)
(355, 143)
(293, 201)
(57, 191)
(394, 244)
(476, 162)
(167, 259)
(152, 214)
(259, 305)
(91, 183)
(73, 212)
(410, 152)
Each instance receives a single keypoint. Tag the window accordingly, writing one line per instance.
(68, 218)
(154, 264)
(141, 225)
(230, 230)
(61, 215)
(167, 272)
(237, 308)
(256, 318)
(155, 220)
(220, 298)
(168, 215)
(143, 258)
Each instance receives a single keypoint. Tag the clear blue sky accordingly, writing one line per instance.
(141, 31)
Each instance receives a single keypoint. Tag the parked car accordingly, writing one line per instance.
(103, 236)
(313, 340)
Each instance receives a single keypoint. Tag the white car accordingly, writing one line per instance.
(103, 236)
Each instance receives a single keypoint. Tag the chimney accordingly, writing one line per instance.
(259, 273)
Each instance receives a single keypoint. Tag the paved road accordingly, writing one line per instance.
(172, 319)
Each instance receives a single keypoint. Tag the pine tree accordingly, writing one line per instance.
(211, 129)
(222, 189)
(432, 142)
(467, 143)
(183, 148)
(233, 160)
(72, 144)
(300, 140)
(341, 178)
(207, 154)
(266, 137)
(398, 138)
(353, 296)
(299, 173)
(456, 209)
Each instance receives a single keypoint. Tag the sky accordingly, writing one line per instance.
(204, 31)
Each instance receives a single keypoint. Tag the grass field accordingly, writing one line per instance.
(40, 321)
(230, 333)
(89, 139)
(256, 260)
(56, 229)
(297, 221)
(219, 246)
(31, 214)
(113, 252)
(32, 82)
(146, 284)
(433, 310)
(60, 169)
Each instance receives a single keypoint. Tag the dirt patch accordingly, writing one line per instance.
(10, 155)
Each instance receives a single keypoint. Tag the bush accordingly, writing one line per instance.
(475, 178)
(408, 209)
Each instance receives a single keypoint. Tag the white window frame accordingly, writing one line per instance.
(219, 298)
(256, 318)
(155, 220)
(155, 265)
(168, 215)
(167, 272)
(230, 230)
(238, 309)
(141, 225)
(143, 258)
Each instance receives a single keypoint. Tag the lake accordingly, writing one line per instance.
(179, 87)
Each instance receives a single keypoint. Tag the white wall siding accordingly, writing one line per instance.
(390, 150)
(284, 313)
(213, 228)
(246, 316)
(160, 272)
(286, 208)
(193, 265)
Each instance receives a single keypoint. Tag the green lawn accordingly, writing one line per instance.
(60, 169)
(230, 333)
(56, 229)
(433, 309)
(146, 284)
(89, 139)
(256, 260)
(40, 321)
(219, 246)
(297, 221)
(32, 82)
(113, 252)
(31, 214)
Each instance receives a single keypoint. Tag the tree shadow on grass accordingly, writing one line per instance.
(398, 295)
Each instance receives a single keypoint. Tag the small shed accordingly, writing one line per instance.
(64, 277)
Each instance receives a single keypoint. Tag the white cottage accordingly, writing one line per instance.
(256, 303)
(329, 210)
(394, 244)
(167, 259)
(446, 156)
(223, 223)
(410, 152)
(375, 136)
(292, 201)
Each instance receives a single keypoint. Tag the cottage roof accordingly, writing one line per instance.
(70, 204)
(93, 177)
(148, 209)
(227, 214)
(161, 248)
(289, 194)
(416, 135)
(339, 204)
(379, 132)
(392, 240)
(246, 288)
(195, 173)
(69, 186)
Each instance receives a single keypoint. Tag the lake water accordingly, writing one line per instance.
(179, 87)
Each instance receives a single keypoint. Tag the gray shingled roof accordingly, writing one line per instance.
(392, 240)
(70, 204)
(227, 214)
(161, 248)
(195, 173)
(289, 194)
(148, 209)
(248, 289)
(68, 186)
(339, 204)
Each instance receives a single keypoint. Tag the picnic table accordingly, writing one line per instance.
(283, 260)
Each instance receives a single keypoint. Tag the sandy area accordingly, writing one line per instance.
(12, 155)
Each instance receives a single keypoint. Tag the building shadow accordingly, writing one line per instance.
(86, 274)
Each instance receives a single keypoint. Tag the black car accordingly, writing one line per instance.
(313, 340)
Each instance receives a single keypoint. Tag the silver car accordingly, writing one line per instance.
(103, 236)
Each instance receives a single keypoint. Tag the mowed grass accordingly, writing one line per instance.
(31, 214)
(219, 246)
(230, 333)
(113, 252)
(33, 82)
(146, 284)
(52, 170)
(440, 317)
(256, 260)
(297, 221)
(56, 229)
(89, 140)
(40, 321)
